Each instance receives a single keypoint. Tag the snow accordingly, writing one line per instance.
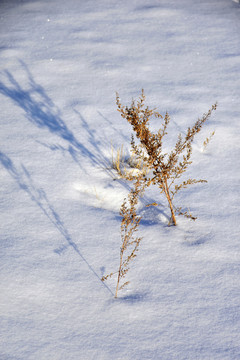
(61, 64)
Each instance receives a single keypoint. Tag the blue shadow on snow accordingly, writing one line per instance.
(24, 181)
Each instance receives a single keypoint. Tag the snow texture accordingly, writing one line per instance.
(61, 63)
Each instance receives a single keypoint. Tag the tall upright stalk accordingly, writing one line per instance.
(129, 225)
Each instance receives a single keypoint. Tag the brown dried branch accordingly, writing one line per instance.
(165, 168)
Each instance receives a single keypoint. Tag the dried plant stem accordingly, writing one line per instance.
(119, 272)
(166, 191)
(129, 226)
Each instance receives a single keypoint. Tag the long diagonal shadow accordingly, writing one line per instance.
(42, 112)
(38, 196)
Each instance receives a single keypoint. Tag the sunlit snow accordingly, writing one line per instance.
(61, 63)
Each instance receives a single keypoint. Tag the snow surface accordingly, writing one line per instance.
(61, 63)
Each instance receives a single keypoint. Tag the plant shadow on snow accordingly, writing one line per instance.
(117, 130)
(39, 197)
(132, 298)
(190, 241)
(94, 141)
(42, 112)
(129, 299)
(154, 216)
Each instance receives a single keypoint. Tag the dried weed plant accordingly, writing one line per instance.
(164, 168)
(129, 226)
(157, 168)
